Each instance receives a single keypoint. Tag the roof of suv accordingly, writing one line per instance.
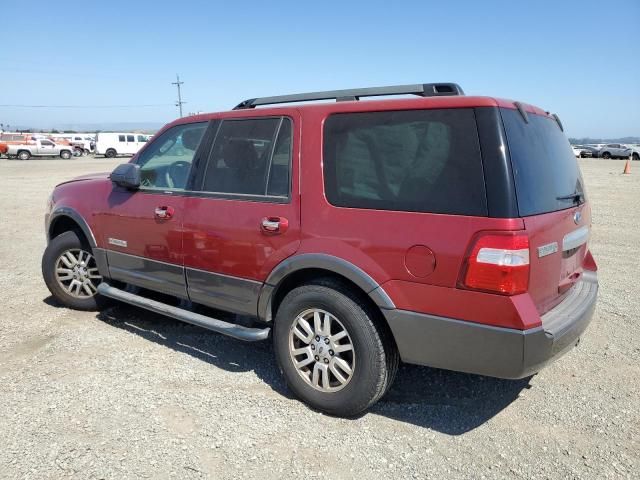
(431, 95)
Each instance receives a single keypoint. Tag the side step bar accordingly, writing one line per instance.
(232, 330)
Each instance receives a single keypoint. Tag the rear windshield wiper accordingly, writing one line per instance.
(575, 197)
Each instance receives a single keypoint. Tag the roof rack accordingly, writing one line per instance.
(420, 89)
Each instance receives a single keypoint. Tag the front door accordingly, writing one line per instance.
(142, 229)
(46, 147)
(246, 217)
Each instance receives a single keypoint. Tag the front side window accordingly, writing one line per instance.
(142, 138)
(121, 138)
(250, 157)
(166, 162)
(413, 160)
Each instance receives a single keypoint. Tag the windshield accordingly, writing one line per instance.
(545, 169)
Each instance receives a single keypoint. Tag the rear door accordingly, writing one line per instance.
(142, 229)
(552, 200)
(246, 218)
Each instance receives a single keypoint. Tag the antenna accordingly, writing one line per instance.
(179, 103)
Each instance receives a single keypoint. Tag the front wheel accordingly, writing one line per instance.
(606, 155)
(331, 353)
(635, 156)
(70, 272)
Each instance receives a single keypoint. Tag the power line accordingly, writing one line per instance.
(179, 103)
(16, 105)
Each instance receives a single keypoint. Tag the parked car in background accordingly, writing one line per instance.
(587, 151)
(358, 233)
(582, 151)
(40, 148)
(83, 144)
(635, 151)
(615, 150)
(113, 144)
(7, 139)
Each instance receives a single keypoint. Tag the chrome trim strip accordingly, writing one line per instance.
(575, 239)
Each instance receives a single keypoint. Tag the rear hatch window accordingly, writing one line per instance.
(551, 200)
(545, 169)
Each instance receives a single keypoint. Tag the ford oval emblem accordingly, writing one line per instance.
(577, 216)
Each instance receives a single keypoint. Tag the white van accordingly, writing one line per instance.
(112, 144)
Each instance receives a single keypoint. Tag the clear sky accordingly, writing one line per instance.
(580, 59)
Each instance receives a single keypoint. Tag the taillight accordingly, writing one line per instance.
(498, 263)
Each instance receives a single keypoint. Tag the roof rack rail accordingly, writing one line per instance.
(420, 89)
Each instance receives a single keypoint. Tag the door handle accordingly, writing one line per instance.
(164, 213)
(274, 225)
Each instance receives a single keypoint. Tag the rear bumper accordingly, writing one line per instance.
(495, 351)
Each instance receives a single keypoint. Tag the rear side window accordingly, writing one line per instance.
(416, 161)
(250, 157)
(544, 165)
(121, 138)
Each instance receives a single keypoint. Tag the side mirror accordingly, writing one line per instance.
(126, 175)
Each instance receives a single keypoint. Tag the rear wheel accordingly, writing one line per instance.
(635, 156)
(331, 352)
(66, 154)
(111, 153)
(70, 272)
(24, 155)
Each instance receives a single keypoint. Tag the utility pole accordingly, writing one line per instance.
(179, 103)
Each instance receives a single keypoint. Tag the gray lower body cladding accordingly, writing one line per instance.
(494, 351)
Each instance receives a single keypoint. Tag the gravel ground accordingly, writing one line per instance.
(127, 394)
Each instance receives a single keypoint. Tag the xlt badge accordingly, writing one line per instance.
(119, 243)
(547, 249)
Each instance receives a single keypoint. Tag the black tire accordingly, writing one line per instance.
(85, 152)
(110, 153)
(635, 156)
(24, 155)
(606, 155)
(375, 354)
(77, 152)
(65, 154)
(57, 246)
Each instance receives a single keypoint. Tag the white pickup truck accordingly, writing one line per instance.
(39, 148)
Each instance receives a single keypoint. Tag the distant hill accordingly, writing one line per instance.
(148, 127)
(587, 140)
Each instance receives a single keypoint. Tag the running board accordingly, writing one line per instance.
(230, 329)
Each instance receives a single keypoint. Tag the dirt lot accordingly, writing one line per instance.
(126, 394)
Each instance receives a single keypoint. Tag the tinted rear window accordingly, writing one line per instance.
(544, 166)
(416, 161)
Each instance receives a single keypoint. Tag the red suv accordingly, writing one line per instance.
(440, 230)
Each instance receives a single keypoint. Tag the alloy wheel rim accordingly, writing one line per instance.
(77, 273)
(321, 350)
